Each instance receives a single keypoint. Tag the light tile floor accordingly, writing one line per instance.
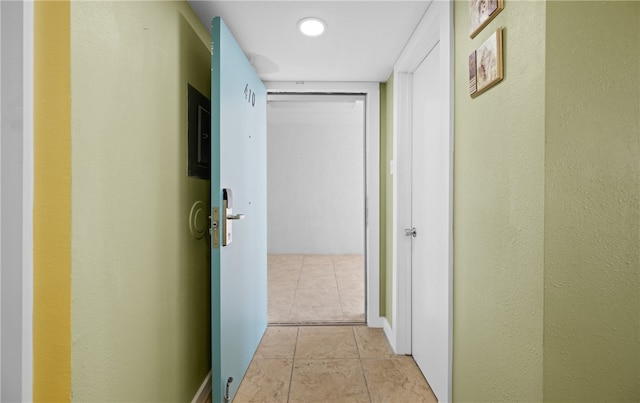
(316, 288)
(331, 364)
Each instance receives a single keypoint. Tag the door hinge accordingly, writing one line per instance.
(366, 211)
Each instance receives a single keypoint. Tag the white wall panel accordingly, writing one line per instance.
(16, 189)
(315, 157)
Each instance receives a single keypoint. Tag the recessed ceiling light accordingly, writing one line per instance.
(311, 26)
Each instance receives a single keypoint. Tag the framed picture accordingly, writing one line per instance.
(481, 12)
(488, 65)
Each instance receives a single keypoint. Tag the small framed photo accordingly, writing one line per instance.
(488, 65)
(481, 12)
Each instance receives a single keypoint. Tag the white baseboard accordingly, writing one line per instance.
(204, 391)
(376, 321)
(391, 335)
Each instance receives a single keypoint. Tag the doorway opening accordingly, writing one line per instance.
(316, 207)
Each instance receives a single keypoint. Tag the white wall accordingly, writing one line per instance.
(16, 191)
(315, 162)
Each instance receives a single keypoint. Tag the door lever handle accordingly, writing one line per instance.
(235, 216)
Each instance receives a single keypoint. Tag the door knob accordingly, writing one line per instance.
(411, 232)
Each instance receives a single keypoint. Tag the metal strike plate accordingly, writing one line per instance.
(215, 228)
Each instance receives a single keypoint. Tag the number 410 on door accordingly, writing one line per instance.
(249, 95)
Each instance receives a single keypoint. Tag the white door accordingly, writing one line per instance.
(429, 204)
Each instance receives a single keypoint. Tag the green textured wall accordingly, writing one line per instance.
(140, 283)
(499, 214)
(592, 202)
(547, 208)
(388, 194)
(384, 211)
(386, 200)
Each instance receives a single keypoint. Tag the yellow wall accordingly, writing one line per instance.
(499, 214)
(52, 204)
(141, 316)
(592, 202)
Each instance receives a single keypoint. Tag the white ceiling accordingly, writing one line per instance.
(361, 43)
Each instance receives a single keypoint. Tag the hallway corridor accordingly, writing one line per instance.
(331, 364)
(304, 289)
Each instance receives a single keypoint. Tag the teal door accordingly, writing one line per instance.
(239, 202)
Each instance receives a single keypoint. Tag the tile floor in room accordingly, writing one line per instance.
(330, 364)
(315, 288)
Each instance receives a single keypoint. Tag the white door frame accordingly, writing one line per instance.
(16, 199)
(372, 174)
(436, 26)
